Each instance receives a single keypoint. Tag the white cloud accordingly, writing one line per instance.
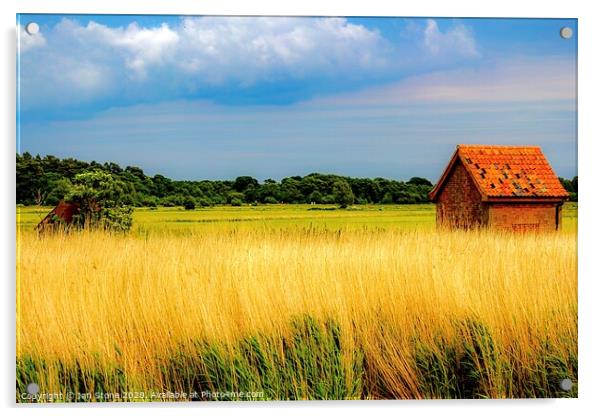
(249, 50)
(457, 41)
(217, 49)
(82, 63)
(141, 47)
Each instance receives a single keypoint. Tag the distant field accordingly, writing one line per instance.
(293, 303)
(419, 216)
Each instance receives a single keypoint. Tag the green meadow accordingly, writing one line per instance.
(281, 216)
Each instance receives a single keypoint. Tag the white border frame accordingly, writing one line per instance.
(590, 133)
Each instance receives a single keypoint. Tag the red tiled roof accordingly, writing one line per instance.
(507, 172)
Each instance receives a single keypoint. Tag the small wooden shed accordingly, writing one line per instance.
(61, 215)
(504, 187)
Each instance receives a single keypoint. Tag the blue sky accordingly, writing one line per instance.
(218, 97)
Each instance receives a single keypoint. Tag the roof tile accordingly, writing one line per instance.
(516, 170)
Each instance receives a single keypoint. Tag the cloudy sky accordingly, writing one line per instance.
(219, 97)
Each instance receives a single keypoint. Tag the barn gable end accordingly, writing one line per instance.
(506, 187)
(459, 203)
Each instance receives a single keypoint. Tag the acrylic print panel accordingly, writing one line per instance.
(295, 208)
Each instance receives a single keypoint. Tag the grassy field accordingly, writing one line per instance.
(176, 220)
(286, 302)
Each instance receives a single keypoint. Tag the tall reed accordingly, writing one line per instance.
(303, 313)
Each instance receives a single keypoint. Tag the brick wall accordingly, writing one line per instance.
(523, 217)
(459, 203)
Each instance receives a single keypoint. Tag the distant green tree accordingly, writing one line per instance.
(242, 183)
(136, 171)
(219, 200)
(189, 203)
(236, 196)
(270, 191)
(270, 200)
(161, 186)
(570, 185)
(290, 191)
(113, 168)
(574, 183)
(315, 197)
(567, 184)
(328, 199)
(205, 202)
(343, 195)
(387, 198)
(420, 181)
(30, 182)
(59, 190)
(149, 201)
(251, 194)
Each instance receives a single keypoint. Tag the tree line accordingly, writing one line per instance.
(571, 186)
(47, 180)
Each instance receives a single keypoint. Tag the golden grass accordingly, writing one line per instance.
(93, 299)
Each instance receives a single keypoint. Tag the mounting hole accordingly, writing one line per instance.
(32, 28)
(566, 32)
(33, 388)
(566, 384)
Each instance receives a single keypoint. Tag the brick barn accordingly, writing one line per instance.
(503, 187)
